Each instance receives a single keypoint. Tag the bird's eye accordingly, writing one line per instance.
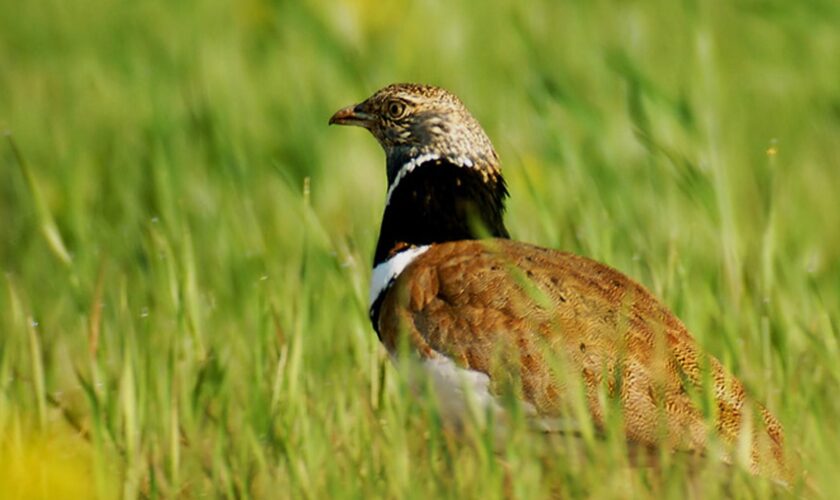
(396, 109)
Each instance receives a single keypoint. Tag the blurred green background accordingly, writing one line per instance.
(186, 244)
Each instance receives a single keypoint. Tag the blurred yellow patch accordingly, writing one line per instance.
(376, 15)
(369, 15)
(54, 467)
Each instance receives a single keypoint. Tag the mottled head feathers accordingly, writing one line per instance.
(413, 121)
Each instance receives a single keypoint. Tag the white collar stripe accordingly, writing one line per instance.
(386, 272)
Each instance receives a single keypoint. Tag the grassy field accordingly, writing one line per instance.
(185, 244)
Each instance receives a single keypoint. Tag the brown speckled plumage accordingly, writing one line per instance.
(591, 324)
(540, 322)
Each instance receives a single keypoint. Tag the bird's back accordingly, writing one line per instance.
(572, 326)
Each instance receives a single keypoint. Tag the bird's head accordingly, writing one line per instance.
(411, 121)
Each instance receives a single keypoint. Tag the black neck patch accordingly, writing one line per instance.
(439, 201)
(373, 312)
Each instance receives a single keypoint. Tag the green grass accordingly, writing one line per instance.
(185, 244)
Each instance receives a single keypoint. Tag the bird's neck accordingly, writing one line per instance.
(437, 201)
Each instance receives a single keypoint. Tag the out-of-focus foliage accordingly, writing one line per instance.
(185, 244)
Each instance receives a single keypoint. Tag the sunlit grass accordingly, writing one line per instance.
(186, 245)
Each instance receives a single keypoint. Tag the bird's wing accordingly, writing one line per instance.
(547, 323)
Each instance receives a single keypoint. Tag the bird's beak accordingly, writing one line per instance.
(352, 115)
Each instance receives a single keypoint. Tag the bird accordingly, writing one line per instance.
(485, 316)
